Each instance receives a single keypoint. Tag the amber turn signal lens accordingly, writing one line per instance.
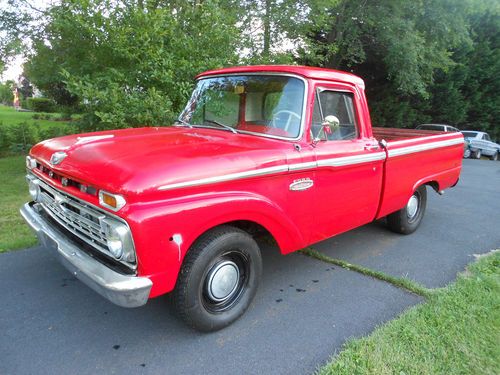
(112, 201)
(109, 200)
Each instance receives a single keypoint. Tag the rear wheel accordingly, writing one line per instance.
(494, 156)
(218, 279)
(407, 220)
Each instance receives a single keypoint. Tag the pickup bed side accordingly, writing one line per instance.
(416, 158)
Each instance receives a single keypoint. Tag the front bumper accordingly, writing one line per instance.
(122, 290)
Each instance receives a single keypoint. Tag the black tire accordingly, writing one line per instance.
(494, 156)
(407, 220)
(195, 296)
(477, 154)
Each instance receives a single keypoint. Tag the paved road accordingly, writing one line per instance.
(50, 323)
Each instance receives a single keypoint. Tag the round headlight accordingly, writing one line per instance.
(116, 235)
(34, 190)
(115, 247)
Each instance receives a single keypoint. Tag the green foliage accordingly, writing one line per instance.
(14, 233)
(6, 96)
(455, 332)
(41, 105)
(132, 63)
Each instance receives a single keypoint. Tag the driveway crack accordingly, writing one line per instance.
(399, 282)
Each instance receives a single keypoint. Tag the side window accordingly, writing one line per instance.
(340, 105)
(486, 137)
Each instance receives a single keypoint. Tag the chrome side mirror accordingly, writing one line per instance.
(331, 124)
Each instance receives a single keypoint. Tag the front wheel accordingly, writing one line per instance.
(407, 220)
(477, 154)
(218, 279)
(494, 156)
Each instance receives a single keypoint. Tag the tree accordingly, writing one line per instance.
(396, 46)
(132, 62)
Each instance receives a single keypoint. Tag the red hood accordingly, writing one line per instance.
(135, 160)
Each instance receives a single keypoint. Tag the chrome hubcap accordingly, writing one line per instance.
(412, 207)
(223, 281)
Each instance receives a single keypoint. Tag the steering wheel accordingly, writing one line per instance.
(288, 121)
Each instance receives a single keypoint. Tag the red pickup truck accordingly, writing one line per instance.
(285, 151)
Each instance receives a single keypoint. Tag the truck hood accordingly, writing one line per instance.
(133, 161)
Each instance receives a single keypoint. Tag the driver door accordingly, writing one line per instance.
(348, 177)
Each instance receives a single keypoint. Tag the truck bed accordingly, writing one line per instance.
(396, 134)
(416, 157)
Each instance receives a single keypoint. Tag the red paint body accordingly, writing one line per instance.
(135, 162)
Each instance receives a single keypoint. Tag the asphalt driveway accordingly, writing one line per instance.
(51, 323)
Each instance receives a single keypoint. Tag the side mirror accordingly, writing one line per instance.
(330, 124)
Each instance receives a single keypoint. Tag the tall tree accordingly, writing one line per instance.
(132, 62)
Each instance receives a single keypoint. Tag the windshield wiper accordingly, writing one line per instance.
(222, 125)
(182, 122)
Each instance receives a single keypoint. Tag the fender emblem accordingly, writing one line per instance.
(57, 157)
(301, 184)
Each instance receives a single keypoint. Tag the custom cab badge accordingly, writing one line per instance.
(301, 184)
(57, 157)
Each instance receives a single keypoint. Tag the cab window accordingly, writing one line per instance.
(340, 104)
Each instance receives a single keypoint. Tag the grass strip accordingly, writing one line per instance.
(399, 282)
(14, 232)
(456, 331)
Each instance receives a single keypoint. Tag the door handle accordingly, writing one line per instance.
(371, 147)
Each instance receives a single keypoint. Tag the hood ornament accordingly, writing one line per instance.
(57, 157)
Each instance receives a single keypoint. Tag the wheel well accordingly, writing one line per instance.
(257, 231)
(434, 185)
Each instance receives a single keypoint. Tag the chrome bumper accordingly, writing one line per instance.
(122, 290)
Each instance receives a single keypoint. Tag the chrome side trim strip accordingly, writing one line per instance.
(349, 160)
(227, 177)
(302, 166)
(424, 147)
(333, 162)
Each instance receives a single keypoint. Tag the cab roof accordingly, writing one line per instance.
(304, 71)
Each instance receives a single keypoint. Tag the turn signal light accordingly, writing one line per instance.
(111, 201)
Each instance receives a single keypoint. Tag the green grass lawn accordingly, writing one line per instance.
(8, 116)
(14, 233)
(457, 331)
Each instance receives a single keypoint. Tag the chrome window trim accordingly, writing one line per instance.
(427, 146)
(277, 74)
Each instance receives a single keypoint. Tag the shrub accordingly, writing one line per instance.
(22, 136)
(41, 105)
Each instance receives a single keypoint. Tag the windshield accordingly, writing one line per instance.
(469, 134)
(265, 104)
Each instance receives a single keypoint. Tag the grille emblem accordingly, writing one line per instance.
(57, 157)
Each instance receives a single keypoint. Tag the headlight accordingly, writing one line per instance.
(30, 162)
(34, 189)
(119, 240)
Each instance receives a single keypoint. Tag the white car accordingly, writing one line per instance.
(480, 144)
(438, 127)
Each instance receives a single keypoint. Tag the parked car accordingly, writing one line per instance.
(438, 127)
(286, 151)
(480, 144)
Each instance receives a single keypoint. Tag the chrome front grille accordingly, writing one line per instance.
(82, 220)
